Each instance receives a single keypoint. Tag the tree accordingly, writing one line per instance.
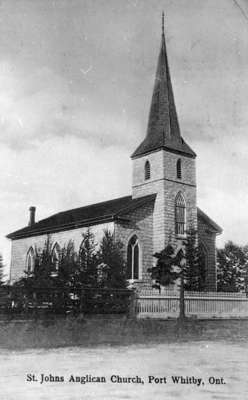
(2, 274)
(164, 273)
(68, 274)
(194, 270)
(232, 263)
(77, 276)
(88, 261)
(43, 265)
(194, 273)
(169, 268)
(183, 264)
(111, 264)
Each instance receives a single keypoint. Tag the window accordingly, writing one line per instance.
(180, 215)
(179, 168)
(30, 261)
(55, 258)
(133, 258)
(147, 170)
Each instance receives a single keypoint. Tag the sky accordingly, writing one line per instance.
(76, 79)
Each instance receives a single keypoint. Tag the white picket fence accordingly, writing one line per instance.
(151, 304)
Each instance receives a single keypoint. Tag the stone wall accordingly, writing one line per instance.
(140, 224)
(166, 185)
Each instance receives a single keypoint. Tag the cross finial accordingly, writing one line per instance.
(163, 23)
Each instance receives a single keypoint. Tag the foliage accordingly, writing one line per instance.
(194, 270)
(232, 263)
(169, 266)
(68, 267)
(182, 264)
(88, 278)
(164, 272)
(43, 265)
(111, 264)
(87, 259)
(2, 274)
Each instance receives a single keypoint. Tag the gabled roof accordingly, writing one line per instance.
(163, 128)
(107, 211)
(84, 216)
(216, 228)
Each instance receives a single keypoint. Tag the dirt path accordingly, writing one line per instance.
(163, 362)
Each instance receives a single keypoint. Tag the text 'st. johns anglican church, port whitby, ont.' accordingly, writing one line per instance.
(162, 206)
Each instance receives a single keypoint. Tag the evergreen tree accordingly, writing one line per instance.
(2, 274)
(231, 268)
(88, 261)
(69, 269)
(169, 268)
(111, 267)
(164, 274)
(194, 270)
(182, 264)
(43, 265)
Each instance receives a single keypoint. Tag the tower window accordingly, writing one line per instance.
(179, 168)
(180, 215)
(133, 254)
(147, 170)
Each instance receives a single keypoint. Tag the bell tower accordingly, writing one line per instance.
(164, 163)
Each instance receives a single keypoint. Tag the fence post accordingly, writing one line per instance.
(132, 304)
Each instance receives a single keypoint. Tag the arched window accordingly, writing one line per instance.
(147, 170)
(133, 254)
(179, 168)
(30, 261)
(55, 258)
(180, 215)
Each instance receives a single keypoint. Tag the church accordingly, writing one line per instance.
(162, 206)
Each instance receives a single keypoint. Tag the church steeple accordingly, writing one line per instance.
(163, 128)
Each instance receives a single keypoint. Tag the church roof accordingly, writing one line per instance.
(107, 211)
(83, 216)
(163, 129)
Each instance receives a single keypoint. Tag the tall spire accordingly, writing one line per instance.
(162, 23)
(163, 128)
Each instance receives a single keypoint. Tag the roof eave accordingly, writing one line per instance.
(137, 154)
(116, 216)
(62, 227)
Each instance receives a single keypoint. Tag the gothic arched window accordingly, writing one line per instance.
(133, 255)
(179, 168)
(180, 215)
(30, 261)
(55, 258)
(147, 170)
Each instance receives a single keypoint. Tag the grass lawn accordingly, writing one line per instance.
(115, 331)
